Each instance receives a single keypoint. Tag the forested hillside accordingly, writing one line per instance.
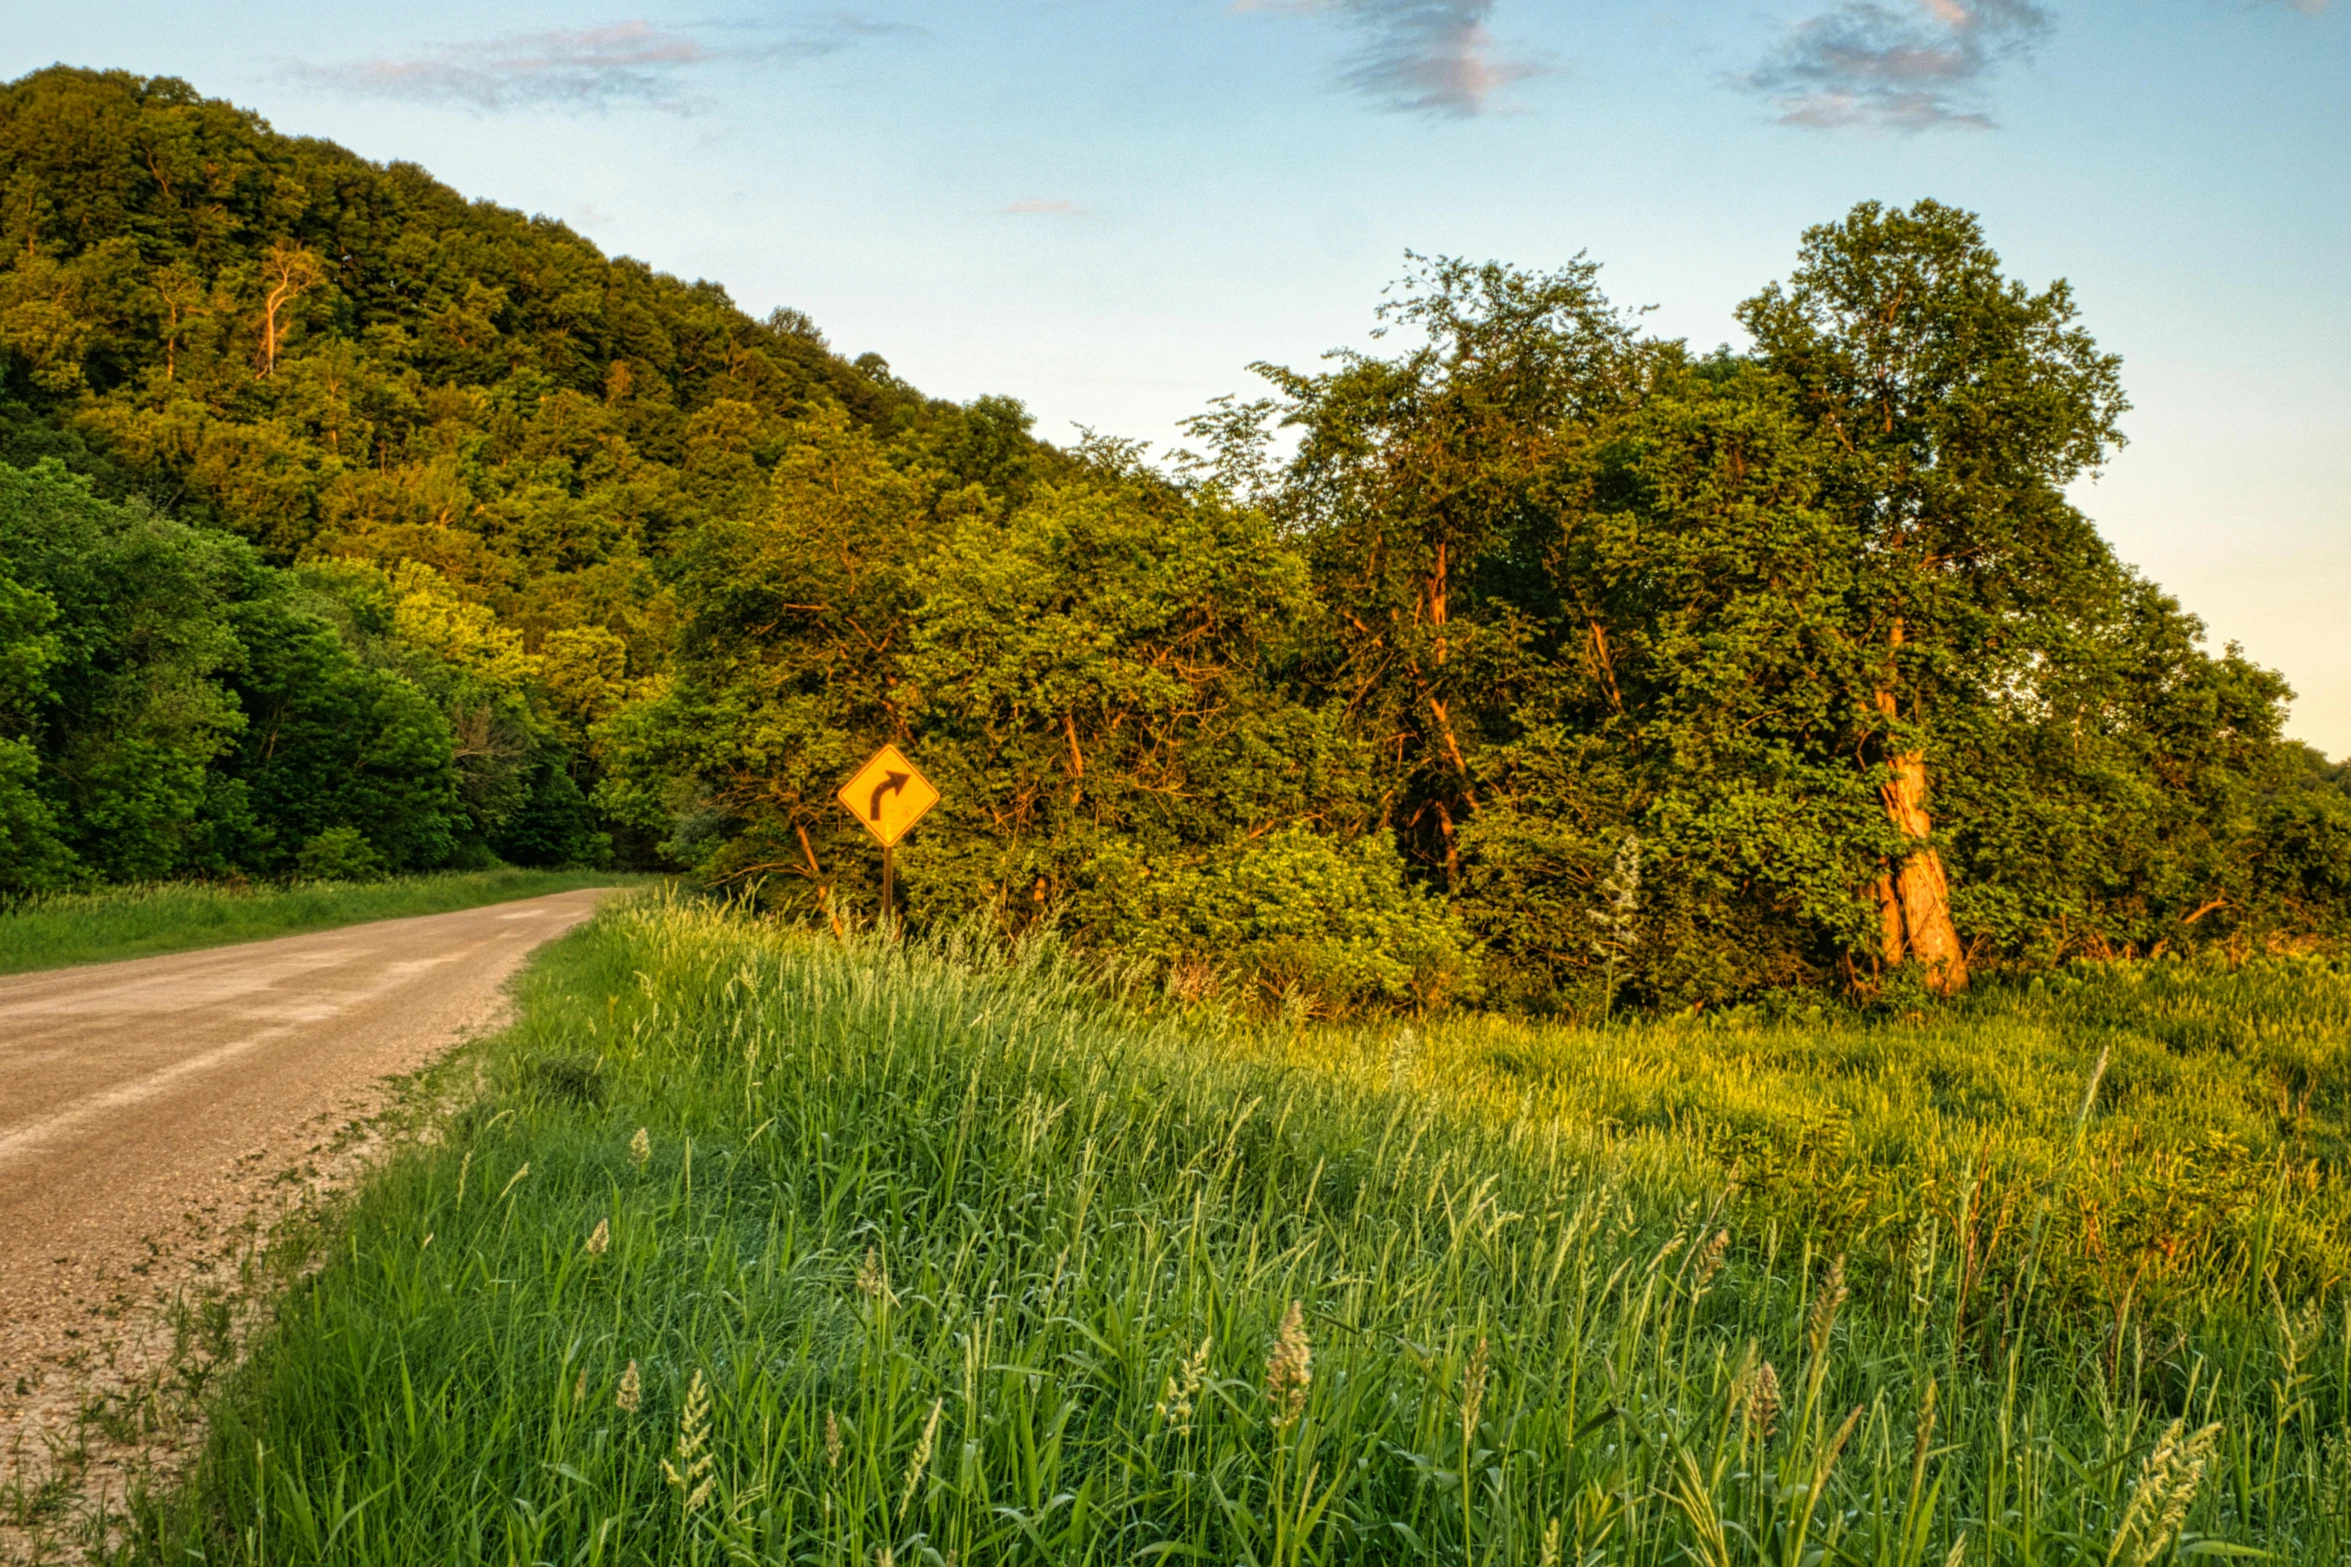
(349, 525)
(381, 488)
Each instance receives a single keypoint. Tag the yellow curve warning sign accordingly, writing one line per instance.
(888, 795)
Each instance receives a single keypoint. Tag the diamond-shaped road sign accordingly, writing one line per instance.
(888, 795)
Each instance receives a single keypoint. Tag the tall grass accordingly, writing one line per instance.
(934, 1255)
(2135, 1142)
(63, 929)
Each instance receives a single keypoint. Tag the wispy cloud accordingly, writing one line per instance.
(1044, 207)
(585, 69)
(1906, 67)
(1435, 57)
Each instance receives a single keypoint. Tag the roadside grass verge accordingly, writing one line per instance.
(936, 1255)
(64, 929)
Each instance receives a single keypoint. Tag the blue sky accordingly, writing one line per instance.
(1108, 208)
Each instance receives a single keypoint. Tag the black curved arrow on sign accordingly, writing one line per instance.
(892, 783)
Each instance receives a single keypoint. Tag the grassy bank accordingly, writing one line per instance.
(932, 1256)
(138, 922)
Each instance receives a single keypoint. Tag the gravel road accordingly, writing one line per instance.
(156, 1115)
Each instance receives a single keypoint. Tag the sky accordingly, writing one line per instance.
(1111, 208)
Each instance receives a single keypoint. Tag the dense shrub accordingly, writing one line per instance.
(1309, 924)
(338, 854)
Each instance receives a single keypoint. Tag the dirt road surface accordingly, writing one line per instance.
(156, 1117)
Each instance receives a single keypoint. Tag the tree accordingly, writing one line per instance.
(1699, 599)
(785, 673)
(331, 744)
(1418, 487)
(31, 857)
(133, 713)
(1961, 404)
(287, 273)
(1097, 677)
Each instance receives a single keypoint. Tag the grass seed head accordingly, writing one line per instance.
(1289, 1370)
(600, 1238)
(832, 1441)
(1710, 1259)
(922, 1458)
(579, 1389)
(1551, 1544)
(640, 1148)
(514, 1180)
(1473, 1389)
(632, 1390)
(2159, 1502)
(1618, 914)
(1825, 1306)
(690, 1475)
(1762, 1403)
(1183, 1384)
(1922, 1266)
(1924, 1439)
(872, 1282)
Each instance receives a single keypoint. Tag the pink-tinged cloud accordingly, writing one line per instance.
(1905, 67)
(1435, 57)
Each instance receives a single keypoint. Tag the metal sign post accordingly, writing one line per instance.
(888, 795)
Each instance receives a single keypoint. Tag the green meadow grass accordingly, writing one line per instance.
(64, 929)
(939, 1254)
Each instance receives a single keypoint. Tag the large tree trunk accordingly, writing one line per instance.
(1437, 598)
(1914, 899)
